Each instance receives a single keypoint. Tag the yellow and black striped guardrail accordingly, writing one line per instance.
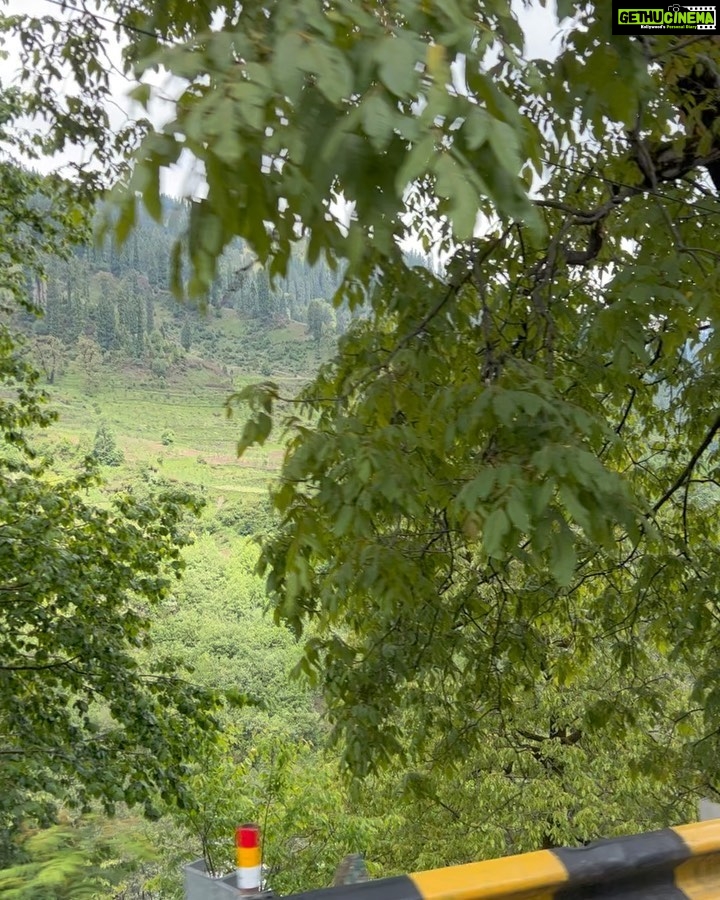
(672, 864)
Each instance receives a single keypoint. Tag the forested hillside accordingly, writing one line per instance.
(114, 303)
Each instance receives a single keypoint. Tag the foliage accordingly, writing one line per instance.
(79, 718)
(77, 713)
(498, 478)
(497, 539)
(56, 869)
(572, 782)
(320, 317)
(84, 858)
(50, 357)
(308, 822)
(105, 299)
(247, 515)
(267, 765)
(37, 213)
(216, 618)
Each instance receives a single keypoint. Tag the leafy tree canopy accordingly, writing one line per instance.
(507, 475)
(79, 719)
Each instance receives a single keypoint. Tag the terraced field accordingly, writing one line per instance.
(175, 426)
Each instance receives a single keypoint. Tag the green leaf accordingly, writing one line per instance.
(517, 510)
(151, 197)
(505, 143)
(141, 94)
(417, 162)
(213, 235)
(335, 77)
(126, 219)
(566, 8)
(250, 100)
(497, 526)
(396, 58)
(452, 184)
(378, 120)
(480, 487)
(229, 147)
(285, 67)
(477, 127)
(563, 559)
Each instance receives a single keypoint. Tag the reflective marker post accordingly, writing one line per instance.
(247, 855)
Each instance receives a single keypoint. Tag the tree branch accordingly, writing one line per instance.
(40, 668)
(692, 462)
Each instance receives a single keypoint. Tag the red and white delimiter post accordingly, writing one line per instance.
(247, 854)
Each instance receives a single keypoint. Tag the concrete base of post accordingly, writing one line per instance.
(199, 885)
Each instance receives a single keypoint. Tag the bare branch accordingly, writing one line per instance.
(692, 462)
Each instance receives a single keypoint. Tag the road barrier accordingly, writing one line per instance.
(672, 864)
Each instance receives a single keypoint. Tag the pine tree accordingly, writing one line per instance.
(105, 448)
(106, 324)
(149, 314)
(186, 335)
(138, 329)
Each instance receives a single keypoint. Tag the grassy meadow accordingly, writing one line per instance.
(175, 425)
